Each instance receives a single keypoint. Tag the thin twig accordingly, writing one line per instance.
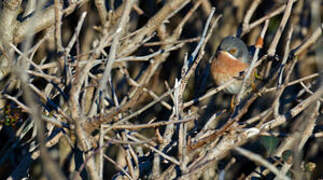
(259, 45)
(257, 158)
(248, 16)
(76, 33)
(306, 44)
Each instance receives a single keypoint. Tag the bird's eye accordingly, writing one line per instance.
(233, 51)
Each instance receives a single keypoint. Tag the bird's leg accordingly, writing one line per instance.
(253, 86)
(232, 103)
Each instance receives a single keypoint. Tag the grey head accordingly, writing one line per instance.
(236, 47)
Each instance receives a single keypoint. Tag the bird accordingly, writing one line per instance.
(232, 57)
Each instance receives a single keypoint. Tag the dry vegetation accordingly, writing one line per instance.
(121, 89)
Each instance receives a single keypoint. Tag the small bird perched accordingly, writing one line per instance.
(232, 57)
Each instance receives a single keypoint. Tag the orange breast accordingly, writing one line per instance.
(226, 64)
(224, 68)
